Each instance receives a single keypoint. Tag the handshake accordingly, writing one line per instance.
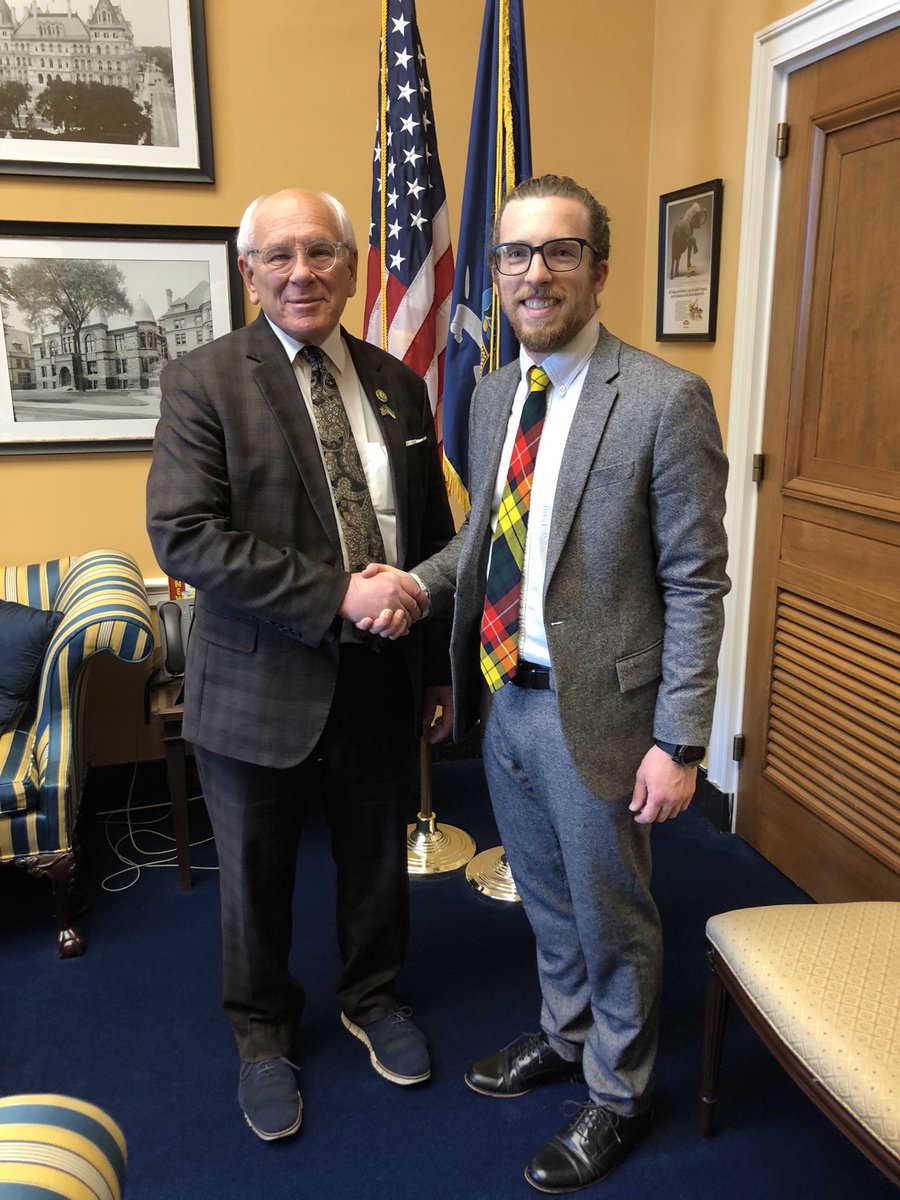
(384, 601)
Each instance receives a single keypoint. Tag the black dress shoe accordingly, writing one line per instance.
(521, 1067)
(587, 1149)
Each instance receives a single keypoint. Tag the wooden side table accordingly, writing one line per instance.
(165, 706)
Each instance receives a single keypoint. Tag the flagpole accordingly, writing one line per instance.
(489, 872)
(432, 849)
(411, 286)
(383, 143)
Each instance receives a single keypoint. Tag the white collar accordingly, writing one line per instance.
(333, 346)
(563, 365)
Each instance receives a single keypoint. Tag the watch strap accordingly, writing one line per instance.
(685, 756)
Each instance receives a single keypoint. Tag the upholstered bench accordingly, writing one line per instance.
(820, 984)
(57, 1146)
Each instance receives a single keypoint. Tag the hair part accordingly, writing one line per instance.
(562, 186)
(245, 234)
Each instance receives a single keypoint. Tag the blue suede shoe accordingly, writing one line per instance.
(397, 1049)
(268, 1096)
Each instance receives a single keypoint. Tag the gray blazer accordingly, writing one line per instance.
(636, 561)
(239, 505)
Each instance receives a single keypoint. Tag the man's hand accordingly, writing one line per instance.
(383, 600)
(436, 729)
(663, 789)
(392, 623)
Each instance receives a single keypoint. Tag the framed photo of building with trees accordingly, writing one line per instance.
(91, 314)
(106, 89)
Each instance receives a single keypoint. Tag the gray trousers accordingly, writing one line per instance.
(582, 867)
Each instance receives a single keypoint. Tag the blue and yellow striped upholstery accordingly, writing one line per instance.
(54, 1146)
(103, 598)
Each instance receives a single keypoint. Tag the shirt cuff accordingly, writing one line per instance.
(427, 612)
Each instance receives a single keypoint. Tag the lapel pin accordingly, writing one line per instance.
(385, 409)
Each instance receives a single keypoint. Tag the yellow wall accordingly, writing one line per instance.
(293, 92)
(633, 100)
(701, 89)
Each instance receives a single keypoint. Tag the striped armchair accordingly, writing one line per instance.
(42, 766)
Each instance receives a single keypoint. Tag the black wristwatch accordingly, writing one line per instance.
(685, 756)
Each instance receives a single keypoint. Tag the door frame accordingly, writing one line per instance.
(820, 29)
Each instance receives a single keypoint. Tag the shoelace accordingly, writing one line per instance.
(527, 1043)
(401, 1014)
(266, 1067)
(587, 1115)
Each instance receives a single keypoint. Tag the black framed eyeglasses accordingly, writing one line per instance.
(319, 256)
(560, 254)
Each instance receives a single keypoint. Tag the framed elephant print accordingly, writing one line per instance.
(690, 234)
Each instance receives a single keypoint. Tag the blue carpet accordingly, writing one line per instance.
(135, 1026)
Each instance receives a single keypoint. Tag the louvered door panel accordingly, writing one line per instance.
(833, 740)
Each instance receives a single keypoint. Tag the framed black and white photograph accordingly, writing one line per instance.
(91, 314)
(690, 233)
(101, 89)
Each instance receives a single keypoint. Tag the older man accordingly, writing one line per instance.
(589, 581)
(288, 457)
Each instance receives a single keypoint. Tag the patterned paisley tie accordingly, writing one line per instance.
(362, 537)
(500, 623)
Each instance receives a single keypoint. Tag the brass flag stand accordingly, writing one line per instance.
(432, 849)
(489, 874)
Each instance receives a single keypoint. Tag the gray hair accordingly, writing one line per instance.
(245, 229)
(544, 186)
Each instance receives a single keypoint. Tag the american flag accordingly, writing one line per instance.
(410, 268)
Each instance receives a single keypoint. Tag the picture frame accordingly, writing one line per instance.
(150, 118)
(687, 289)
(91, 314)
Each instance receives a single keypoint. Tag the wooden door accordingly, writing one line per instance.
(820, 781)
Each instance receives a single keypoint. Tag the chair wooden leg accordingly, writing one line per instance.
(714, 1022)
(60, 870)
(176, 774)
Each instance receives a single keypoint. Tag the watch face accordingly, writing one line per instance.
(690, 756)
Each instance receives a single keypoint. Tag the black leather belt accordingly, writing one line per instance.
(531, 675)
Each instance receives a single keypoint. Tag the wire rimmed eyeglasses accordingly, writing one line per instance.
(559, 254)
(319, 256)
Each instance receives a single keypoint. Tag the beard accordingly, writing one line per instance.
(551, 333)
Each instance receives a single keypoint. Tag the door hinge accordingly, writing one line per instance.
(782, 139)
(758, 469)
(737, 747)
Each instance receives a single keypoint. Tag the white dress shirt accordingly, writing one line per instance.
(566, 369)
(364, 424)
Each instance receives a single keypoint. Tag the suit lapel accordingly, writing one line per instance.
(274, 376)
(597, 397)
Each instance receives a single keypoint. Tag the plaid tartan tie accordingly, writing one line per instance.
(362, 535)
(500, 623)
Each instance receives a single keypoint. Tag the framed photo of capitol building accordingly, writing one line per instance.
(106, 89)
(91, 314)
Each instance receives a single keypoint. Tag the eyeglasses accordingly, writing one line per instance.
(562, 254)
(319, 256)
